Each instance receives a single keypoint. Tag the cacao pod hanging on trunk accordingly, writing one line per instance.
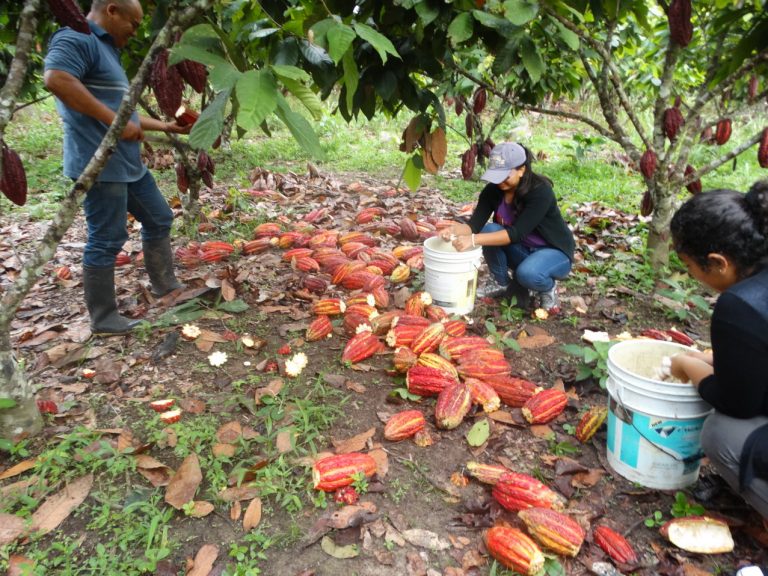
(646, 204)
(193, 74)
(182, 178)
(469, 125)
(13, 181)
(479, 100)
(468, 163)
(673, 120)
(723, 131)
(762, 150)
(695, 186)
(752, 88)
(648, 163)
(68, 13)
(167, 84)
(488, 145)
(459, 106)
(680, 27)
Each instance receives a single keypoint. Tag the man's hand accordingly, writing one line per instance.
(177, 128)
(132, 131)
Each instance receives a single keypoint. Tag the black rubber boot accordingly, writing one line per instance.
(158, 260)
(99, 288)
(520, 293)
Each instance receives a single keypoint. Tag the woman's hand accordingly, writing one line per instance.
(463, 242)
(690, 368)
(446, 234)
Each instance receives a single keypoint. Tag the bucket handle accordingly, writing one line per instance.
(687, 460)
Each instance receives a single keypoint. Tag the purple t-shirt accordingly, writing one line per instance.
(506, 215)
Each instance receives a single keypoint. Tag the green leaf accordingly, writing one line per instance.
(573, 350)
(461, 28)
(314, 54)
(211, 122)
(196, 54)
(340, 552)
(479, 433)
(6, 403)
(300, 129)
(412, 174)
(427, 13)
(224, 77)
(291, 72)
(490, 21)
(305, 95)
(340, 38)
(380, 43)
(234, 306)
(520, 12)
(182, 314)
(553, 567)
(569, 37)
(257, 97)
(351, 77)
(532, 61)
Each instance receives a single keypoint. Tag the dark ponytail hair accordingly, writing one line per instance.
(529, 179)
(725, 222)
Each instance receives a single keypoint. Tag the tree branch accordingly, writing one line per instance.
(24, 43)
(522, 106)
(715, 164)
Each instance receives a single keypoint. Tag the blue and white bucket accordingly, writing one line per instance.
(450, 277)
(654, 427)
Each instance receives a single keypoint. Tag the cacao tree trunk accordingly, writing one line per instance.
(22, 417)
(658, 246)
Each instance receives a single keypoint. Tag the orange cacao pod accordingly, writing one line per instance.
(436, 313)
(318, 329)
(514, 550)
(545, 406)
(455, 328)
(454, 348)
(13, 182)
(267, 229)
(695, 186)
(553, 530)
(362, 345)
(404, 425)
(382, 323)
(63, 273)
(256, 246)
(513, 391)
(486, 473)
(417, 303)
(723, 131)
(590, 423)
(403, 253)
(68, 13)
(648, 163)
(516, 491)
(337, 471)
(400, 274)
(380, 296)
(402, 335)
(167, 85)
(680, 27)
(453, 403)
(436, 361)
(483, 369)
(483, 394)
(404, 359)
(428, 339)
(672, 122)
(329, 306)
(426, 381)
(614, 544)
(762, 150)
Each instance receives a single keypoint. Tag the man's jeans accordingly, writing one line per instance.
(534, 268)
(106, 207)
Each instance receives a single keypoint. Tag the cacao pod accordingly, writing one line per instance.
(516, 491)
(752, 88)
(590, 423)
(553, 530)
(333, 472)
(404, 359)
(514, 392)
(514, 550)
(329, 306)
(545, 406)
(723, 131)
(426, 381)
(695, 186)
(483, 394)
(486, 473)
(646, 204)
(311, 282)
(167, 85)
(182, 178)
(672, 122)
(193, 74)
(436, 361)
(468, 163)
(404, 425)
(459, 106)
(455, 348)
(679, 337)
(453, 403)
(615, 545)
(469, 125)
(479, 100)
(455, 328)
(762, 150)
(68, 13)
(320, 328)
(428, 339)
(680, 27)
(648, 163)
(362, 345)
(13, 182)
(408, 229)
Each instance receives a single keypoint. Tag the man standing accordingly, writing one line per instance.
(85, 74)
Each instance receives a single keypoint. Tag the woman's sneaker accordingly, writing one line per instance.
(548, 300)
(491, 288)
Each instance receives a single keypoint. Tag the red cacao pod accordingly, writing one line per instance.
(695, 186)
(553, 530)
(723, 131)
(648, 163)
(468, 163)
(762, 150)
(479, 100)
(193, 74)
(516, 491)
(469, 125)
(68, 13)
(680, 27)
(167, 85)
(646, 204)
(182, 178)
(545, 406)
(333, 472)
(514, 550)
(404, 425)
(615, 545)
(672, 122)
(453, 403)
(13, 182)
(752, 88)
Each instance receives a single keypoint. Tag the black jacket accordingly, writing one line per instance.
(537, 212)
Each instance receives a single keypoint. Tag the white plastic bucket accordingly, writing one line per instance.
(450, 276)
(654, 427)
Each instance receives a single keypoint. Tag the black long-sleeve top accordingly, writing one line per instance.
(537, 212)
(739, 385)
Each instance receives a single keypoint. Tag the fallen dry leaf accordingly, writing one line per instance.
(20, 565)
(224, 450)
(542, 431)
(201, 509)
(425, 539)
(192, 405)
(228, 291)
(284, 440)
(19, 468)
(235, 510)
(252, 516)
(153, 470)
(353, 444)
(204, 560)
(382, 461)
(229, 432)
(536, 341)
(271, 389)
(183, 485)
(11, 527)
(237, 493)
(58, 507)
(16, 489)
(356, 387)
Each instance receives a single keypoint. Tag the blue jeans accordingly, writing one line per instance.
(534, 268)
(106, 210)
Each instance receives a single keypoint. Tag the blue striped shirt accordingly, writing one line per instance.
(95, 61)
